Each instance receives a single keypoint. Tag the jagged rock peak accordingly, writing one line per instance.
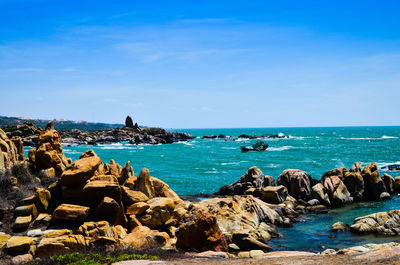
(129, 121)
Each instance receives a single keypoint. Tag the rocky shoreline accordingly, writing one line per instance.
(130, 133)
(52, 205)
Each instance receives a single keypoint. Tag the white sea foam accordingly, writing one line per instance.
(299, 137)
(70, 152)
(389, 137)
(384, 164)
(230, 163)
(283, 148)
(230, 148)
(368, 138)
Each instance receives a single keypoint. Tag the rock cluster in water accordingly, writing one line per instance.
(336, 188)
(91, 204)
(130, 133)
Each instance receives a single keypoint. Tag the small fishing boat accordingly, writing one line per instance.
(392, 167)
(259, 146)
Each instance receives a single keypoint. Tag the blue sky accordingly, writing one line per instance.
(192, 64)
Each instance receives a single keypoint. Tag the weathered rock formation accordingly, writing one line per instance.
(48, 152)
(250, 181)
(11, 151)
(384, 223)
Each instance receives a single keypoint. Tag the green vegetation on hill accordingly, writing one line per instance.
(8, 123)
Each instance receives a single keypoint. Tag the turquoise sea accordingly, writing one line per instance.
(204, 165)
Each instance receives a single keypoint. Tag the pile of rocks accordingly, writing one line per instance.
(28, 133)
(131, 133)
(336, 188)
(95, 204)
(382, 223)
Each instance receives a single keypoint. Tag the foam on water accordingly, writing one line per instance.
(283, 148)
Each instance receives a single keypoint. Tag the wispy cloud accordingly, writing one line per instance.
(17, 70)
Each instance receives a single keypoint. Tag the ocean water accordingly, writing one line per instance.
(204, 165)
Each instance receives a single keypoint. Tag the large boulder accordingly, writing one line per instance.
(245, 213)
(48, 152)
(49, 246)
(319, 192)
(70, 212)
(246, 242)
(81, 170)
(384, 223)
(389, 183)
(161, 189)
(161, 212)
(340, 172)
(17, 244)
(337, 191)
(102, 186)
(142, 238)
(144, 184)
(130, 197)
(200, 232)
(254, 178)
(373, 183)
(272, 194)
(110, 210)
(297, 182)
(396, 185)
(355, 184)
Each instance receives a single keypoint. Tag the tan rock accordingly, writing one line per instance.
(42, 199)
(133, 222)
(130, 197)
(48, 173)
(336, 190)
(56, 232)
(22, 259)
(130, 182)
(144, 184)
(49, 151)
(355, 184)
(143, 238)
(163, 190)
(243, 213)
(339, 227)
(121, 231)
(58, 245)
(297, 182)
(70, 212)
(273, 194)
(98, 229)
(109, 209)
(318, 191)
(26, 210)
(97, 188)
(256, 253)
(160, 212)
(43, 219)
(373, 183)
(19, 244)
(81, 170)
(389, 183)
(124, 175)
(3, 239)
(22, 222)
(137, 208)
